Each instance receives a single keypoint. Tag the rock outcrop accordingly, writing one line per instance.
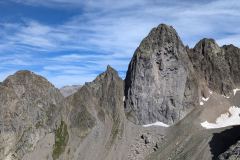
(29, 110)
(160, 84)
(233, 153)
(217, 66)
(96, 117)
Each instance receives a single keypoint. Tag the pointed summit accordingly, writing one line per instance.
(207, 45)
(110, 74)
(110, 70)
(157, 78)
(207, 40)
(164, 31)
(209, 61)
(161, 36)
(98, 103)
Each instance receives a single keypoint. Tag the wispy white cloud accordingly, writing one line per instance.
(232, 39)
(108, 32)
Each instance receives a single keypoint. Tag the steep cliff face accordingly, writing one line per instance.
(160, 84)
(232, 57)
(216, 65)
(29, 110)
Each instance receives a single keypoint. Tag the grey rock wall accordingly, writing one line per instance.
(160, 83)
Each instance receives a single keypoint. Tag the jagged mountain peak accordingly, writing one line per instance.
(207, 46)
(110, 73)
(211, 43)
(110, 70)
(230, 48)
(104, 84)
(217, 66)
(207, 40)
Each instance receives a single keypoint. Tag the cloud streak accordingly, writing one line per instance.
(108, 32)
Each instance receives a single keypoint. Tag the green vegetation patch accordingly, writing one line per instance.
(61, 139)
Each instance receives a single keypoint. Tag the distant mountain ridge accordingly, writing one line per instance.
(69, 90)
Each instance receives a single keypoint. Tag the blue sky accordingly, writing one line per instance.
(72, 41)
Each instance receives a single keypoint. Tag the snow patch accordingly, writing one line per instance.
(211, 92)
(205, 99)
(156, 124)
(235, 91)
(225, 96)
(230, 118)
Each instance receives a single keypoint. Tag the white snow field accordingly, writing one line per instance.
(156, 124)
(230, 118)
(225, 96)
(235, 91)
(204, 99)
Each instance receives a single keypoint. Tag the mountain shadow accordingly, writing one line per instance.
(222, 141)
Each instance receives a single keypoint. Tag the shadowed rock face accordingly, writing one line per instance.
(221, 142)
(232, 153)
(160, 83)
(29, 110)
